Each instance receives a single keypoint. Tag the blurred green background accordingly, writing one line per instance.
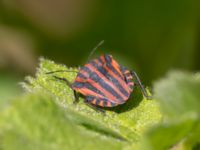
(150, 37)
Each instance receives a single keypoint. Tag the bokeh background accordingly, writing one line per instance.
(151, 37)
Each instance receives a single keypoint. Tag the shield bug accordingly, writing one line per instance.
(104, 82)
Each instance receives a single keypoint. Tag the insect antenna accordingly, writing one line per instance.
(51, 72)
(94, 49)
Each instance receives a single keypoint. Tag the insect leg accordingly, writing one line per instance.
(144, 92)
(76, 96)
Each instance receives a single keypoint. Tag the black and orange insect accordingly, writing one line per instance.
(104, 82)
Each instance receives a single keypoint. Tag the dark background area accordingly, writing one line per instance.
(150, 37)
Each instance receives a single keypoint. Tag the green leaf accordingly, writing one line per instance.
(178, 95)
(167, 135)
(36, 122)
(127, 122)
(193, 140)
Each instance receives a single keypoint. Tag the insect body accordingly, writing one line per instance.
(104, 82)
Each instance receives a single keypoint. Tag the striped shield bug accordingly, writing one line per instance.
(104, 82)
